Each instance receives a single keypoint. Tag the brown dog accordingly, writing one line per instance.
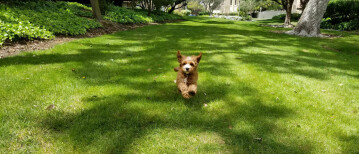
(187, 75)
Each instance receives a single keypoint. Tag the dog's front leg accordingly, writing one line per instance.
(184, 90)
(192, 89)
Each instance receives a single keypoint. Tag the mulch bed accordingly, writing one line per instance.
(14, 48)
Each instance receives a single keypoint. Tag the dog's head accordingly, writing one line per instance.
(188, 64)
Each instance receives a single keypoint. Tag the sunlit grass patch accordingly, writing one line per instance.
(259, 92)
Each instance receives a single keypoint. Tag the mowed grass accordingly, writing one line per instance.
(260, 91)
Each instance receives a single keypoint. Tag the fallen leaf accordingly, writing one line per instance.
(205, 105)
(324, 90)
(50, 107)
(84, 77)
(149, 70)
(174, 81)
(230, 127)
(341, 84)
(205, 94)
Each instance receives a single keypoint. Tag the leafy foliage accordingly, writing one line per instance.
(186, 12)
(41, 20)
(9, 31)
(247, 6)
(211, 4)
(294, 16)
(327, 23)
(342, 15)
(195, 7)
(127, 16)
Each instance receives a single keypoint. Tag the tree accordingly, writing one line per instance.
(287, 6)
(96, 9)
(195, 7)
(303, 3)
(309, 23)
(177, 2)
(210, 5)
(247, 6)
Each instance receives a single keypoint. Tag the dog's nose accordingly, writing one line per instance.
(187, 69)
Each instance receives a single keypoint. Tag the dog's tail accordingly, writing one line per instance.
(176, 69)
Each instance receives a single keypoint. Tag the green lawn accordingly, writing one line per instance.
(259, 91)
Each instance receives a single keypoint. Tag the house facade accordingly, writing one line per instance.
(227, 6)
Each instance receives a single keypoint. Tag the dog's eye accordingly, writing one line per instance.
(192, 64)
(183, 63)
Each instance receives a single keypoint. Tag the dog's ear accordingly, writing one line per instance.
(198, 58)
(179, 56)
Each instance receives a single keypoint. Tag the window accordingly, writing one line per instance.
(235, 2)
(231, 2)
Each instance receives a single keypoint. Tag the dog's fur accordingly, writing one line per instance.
(187, 75)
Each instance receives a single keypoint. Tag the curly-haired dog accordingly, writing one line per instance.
(187, 75)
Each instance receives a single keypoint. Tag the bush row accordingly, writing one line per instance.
(294, 16)
(341, 15)
(127, 16)
(43, 20)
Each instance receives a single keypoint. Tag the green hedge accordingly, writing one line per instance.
(294, 16)
(127, 16)
(341, 15)
(43, 20)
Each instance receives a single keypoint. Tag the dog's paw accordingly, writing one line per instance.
(186, 95)
(192, 93)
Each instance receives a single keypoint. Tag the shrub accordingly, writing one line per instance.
(186, 12)
(57, 17)
(127, 16)
(43, 19)
(245, 16)
(195, 7)
(294, 16)
(341, 15)
(203, 13)
(22, 30)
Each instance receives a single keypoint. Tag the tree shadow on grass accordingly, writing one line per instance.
(223, 40)
(124, 119)
(351, 141)
(113, 123)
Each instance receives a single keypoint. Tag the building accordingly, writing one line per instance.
(227, 6)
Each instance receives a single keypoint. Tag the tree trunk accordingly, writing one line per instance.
(309, 23)
(288, 15)
(133, 4)
(96, 9)
(303, 3)
(149, 7)
(171, 9)
(118, 3)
